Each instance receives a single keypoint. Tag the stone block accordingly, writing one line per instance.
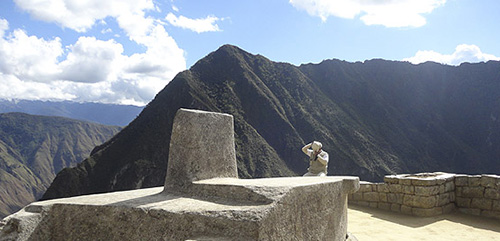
(474, 181)
(395, 207)
(461, 180)
(442, 188)
(481, 203)
(382, 197)
(409, 200)
(496, 205)
(382, 187)
(471, 211)
(370, 196)
(427, 212)
(491, 214)
(463, 202)
(362, 203)
(453, 196)
(443, 199)
(489, 181)
(406, 209)
(426, 190)
(419, 201)
(493, 193)
(448, 208)
(373, 204)
(424, 182)
(458, 191)
(365, 187)
(391, 179)
(212, 136)
(477, 191)
(440, 181)
(405, 181)
(357, 196)
(425, 202)
(384, 206)
(409, 189)
(449, 186)
(395, 198)
(395, 188)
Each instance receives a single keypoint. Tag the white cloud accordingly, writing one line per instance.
(28, 57)
(4, 25)
(198, 25)
(107, 30)
(90, 60)
(93, 70)
(81, 15)
(389, 13)
(463, 53)
(12, 87)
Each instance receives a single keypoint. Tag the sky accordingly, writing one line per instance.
(126, 51)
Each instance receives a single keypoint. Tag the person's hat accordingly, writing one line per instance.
(316, 145)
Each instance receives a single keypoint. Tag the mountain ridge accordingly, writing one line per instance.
(374, 118)
(34, 148)
(106, 114)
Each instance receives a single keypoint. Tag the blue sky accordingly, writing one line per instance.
(125, 51)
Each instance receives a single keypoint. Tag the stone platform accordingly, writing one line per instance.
(205, 200)
(293, 208)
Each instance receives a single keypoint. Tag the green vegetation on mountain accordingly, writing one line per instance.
(34, 148)
(374, 118)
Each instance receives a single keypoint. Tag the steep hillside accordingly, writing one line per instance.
(374, 118)
(34, 148)
(107, 114)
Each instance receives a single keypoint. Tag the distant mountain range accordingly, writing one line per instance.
(106, 114)
(374, 118)
(34, 148)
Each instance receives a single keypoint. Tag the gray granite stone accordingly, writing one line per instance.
(371, 196)
(474, 191)
(461, 180)
(492, 193)
(201, 147)
(481, 203)
(463, 202)
(471, 211)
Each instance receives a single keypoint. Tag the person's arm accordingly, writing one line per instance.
(323, 157)
(306, 150)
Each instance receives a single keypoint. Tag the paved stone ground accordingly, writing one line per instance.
(368, 224)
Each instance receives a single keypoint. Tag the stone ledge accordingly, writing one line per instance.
(125, 210)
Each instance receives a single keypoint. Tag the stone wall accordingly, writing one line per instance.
(431, 194)
(478, 195)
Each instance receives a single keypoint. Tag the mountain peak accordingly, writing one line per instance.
(225, 56)
(373, 118)
(229, 47)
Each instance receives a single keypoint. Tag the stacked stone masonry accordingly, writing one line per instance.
(431, 194)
